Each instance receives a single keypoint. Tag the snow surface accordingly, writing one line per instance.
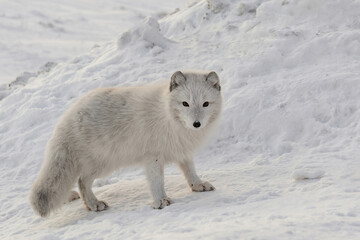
(285, 162)
(35, 32)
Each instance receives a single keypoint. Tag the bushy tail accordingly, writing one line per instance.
(53, 185)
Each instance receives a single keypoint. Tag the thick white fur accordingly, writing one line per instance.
(116, 127)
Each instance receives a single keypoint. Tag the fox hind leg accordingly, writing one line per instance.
(86, 193)
(73, 196)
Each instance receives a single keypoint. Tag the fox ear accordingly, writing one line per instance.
(214, 80)
(177, 79)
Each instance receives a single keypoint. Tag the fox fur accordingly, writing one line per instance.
(109, 128)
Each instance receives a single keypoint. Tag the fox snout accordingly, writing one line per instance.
(196, 124)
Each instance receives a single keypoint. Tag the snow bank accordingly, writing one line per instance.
(57, 31)
(290, 75)
(149, 32)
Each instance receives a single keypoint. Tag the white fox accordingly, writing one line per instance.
(109, 128)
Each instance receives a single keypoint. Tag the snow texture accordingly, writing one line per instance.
(285, 162)
(35, 32)
(305, 174)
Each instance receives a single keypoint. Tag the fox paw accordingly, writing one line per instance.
(98, 206)
(73, 196)
(202, 187)
(161, 203)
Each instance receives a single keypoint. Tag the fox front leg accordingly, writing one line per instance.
(195, 183)
(155, 177)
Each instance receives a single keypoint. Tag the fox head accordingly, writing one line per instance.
(195, 98)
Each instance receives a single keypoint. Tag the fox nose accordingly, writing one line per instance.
(197, 124)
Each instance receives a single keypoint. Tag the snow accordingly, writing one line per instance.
(54, 31)
(285, 161)
(304, 174)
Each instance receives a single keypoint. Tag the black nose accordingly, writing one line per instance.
(197, 124)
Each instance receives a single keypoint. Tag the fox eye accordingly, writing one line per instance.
(206, 104)
(185, 104)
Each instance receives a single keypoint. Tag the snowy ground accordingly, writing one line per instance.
(285, 163)
(35, 32)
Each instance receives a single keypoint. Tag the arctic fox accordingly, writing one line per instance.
(109, 128)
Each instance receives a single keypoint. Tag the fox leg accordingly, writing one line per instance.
(155, 177)
(73, 196)
(195, 183)
(86, 193)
